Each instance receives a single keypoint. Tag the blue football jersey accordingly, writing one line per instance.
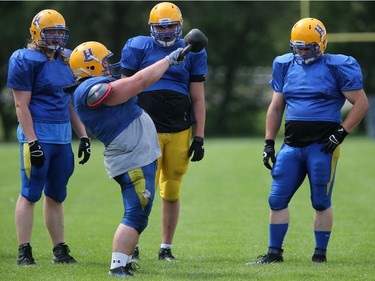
(104, 122)
(30, 70)
(142, 51)
(313, 92)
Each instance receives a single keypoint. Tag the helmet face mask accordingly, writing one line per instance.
(165, 23)
(48, 30)
(309, 35)
(91, 59)
(311, 52)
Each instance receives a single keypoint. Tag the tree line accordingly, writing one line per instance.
(244, 38)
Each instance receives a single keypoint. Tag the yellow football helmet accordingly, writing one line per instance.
(90, 59)
(162, 16)
(48, 30)
(308, 34)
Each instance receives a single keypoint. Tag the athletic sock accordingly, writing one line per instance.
(118, 259)
(277, 235)
(322, 239)
(166, 246)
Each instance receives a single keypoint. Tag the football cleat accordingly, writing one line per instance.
(166, 254)
(25, 256)
(273, 256)
(121, 271)
(319, 256)
(61, 254)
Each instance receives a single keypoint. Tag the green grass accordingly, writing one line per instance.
(223, 222)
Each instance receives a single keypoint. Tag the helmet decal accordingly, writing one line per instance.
(88, 55)
(321, 31)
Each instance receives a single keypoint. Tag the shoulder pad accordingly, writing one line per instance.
(286, 58)
(97, 94)
(67, 52)
(140, 42)
(29, 55)
(338, 59)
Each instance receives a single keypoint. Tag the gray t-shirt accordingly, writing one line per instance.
(135, 147)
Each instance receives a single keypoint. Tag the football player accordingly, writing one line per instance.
(311, 87)
(37, 75)
(175, 103)
(109, 109)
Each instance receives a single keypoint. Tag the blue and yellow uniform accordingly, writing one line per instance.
(313, 96)
(309, 90)
(168, 104)
(131, 149)
(30, 70)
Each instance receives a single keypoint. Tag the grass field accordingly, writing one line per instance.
(223, 222)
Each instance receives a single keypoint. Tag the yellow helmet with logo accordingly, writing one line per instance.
(165, 15)
(48, 30)
(90, 59)
(309, 33)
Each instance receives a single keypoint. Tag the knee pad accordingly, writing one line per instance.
(170, 191)
(137, 221)
(277, 203)
(321, 205)
(31, 195)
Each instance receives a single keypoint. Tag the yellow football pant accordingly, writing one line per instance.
(173, 163)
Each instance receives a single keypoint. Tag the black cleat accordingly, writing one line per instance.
(319, 256)
(61, 254)
(135, 256)
(166, 254)
(273, 256)
(121, 271)
(25, 255)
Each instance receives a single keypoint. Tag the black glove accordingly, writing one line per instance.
(84, 148)
(36, 154)
(269, 152)
(334, 140)
(198, 149)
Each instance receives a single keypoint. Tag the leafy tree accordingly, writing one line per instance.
(244, 38)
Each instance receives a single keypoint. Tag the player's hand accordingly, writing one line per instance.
(334, 140)
(173, 58)
(198, 149)
(36, 154)
(269, 153)
(84, 148)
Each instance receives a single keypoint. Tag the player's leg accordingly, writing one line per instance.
(32, 181)
(61, 166)
(138, 191)
(174, 166)
(288, 174)
(163, 138)
(322, 170)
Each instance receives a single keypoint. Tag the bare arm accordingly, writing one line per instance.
(274, 116)
(125, 88)
(199, 107)
(77, 125)
(22, 100)
(360, 104)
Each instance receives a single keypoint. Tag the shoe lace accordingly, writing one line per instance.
(168, 253)
(132, 266)
(261, 257)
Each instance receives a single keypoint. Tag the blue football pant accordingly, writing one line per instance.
(53, 177)
(290, 169)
